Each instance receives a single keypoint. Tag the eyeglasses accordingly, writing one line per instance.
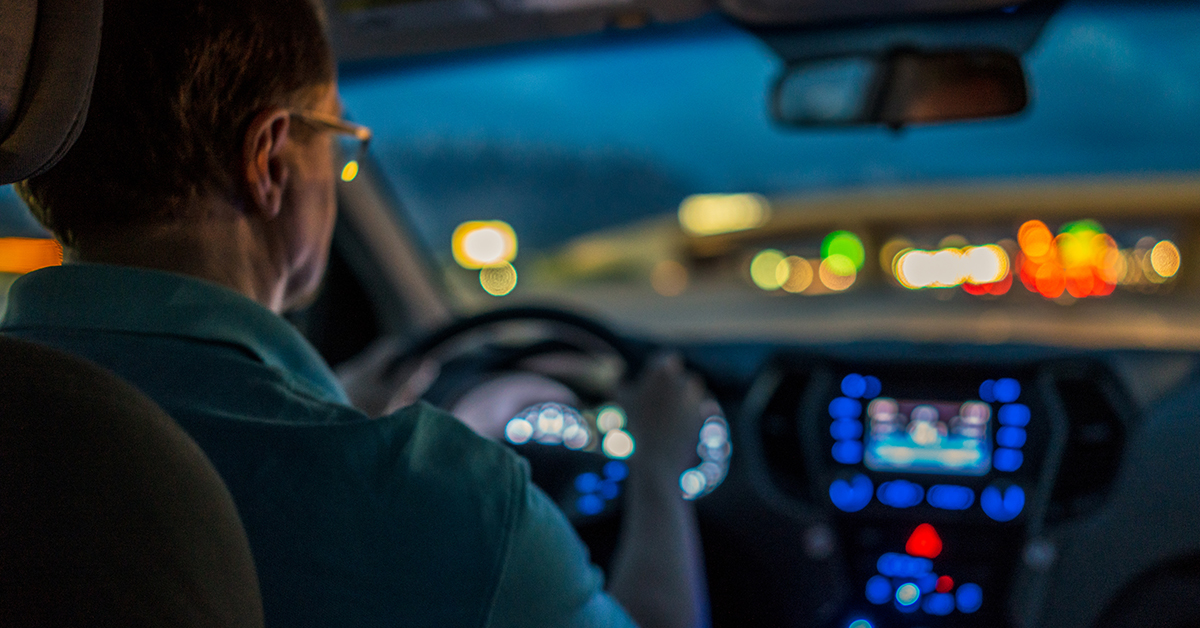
(352, 138)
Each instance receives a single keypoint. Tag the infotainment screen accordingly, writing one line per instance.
(929, 436)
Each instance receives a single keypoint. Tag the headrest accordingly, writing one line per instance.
(48, 54)
(110, 515)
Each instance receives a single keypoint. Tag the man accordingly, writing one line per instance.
(197, 205)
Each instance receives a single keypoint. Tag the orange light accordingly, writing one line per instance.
(1035, 239)
(23, 255)
(924, 542)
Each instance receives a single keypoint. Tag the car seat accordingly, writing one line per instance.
(110, 515)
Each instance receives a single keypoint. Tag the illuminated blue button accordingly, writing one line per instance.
(907, 596)
(590, 504)
(987, 391)
(1010, 437)
(1007, 459)
(587, 483)
(903, 566)
(940, 604)
(845, 408)
(950, 497)
(879, 590)
(860, 623)
(969, 597)
(1014, 414)
(846, 429)
(1007, 390)
(848, 451)
(900, 494)
(616, 470)
(874, 387)
(927, 583)
(852, 495)
(1002, 505)
(609, 489)
(854, 385)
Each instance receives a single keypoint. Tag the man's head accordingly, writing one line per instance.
(190, 102)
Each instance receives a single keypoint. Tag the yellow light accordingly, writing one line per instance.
(712, 214)
(498, 280)
(483, 243)
(796, 274)
(763, 269)
(617, 444)
(837, 272)
(23, 255)
(1164, 259)
(350, 171)
(669, 278)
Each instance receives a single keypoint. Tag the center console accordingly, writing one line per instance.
(935, 479)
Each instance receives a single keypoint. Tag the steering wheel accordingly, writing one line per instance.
(543, 381)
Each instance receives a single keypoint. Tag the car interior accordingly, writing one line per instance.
(112, 515)
(936, 262)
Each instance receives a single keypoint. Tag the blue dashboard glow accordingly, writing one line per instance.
(903, 566)
(1007, 390)
(846, 429)
(845, 408)
(900, 494)
(1013, 437)
(860, 623)
(987, 391)
(879, 590)
(1007, 459)
(848, 452)
(609, 489)
(969, 597)
(874, 387)
(1014, 414)
(854, 385)
(852, 495)
(1002, 505)
(587, 483)
(950, 497)
(590, 504)
(940, 604)
(615, 470)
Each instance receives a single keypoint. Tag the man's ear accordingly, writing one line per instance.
(265, 172)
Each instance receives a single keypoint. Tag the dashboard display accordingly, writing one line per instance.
(918, 436)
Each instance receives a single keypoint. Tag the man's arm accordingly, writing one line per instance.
(658, 571)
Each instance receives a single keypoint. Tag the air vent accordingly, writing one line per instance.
(1095, 442)
(781, 435)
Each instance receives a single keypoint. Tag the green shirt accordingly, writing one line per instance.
(406, 520)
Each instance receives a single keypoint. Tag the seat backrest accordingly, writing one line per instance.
(48, 54)
(109, 513)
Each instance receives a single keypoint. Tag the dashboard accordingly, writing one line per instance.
(879, 485)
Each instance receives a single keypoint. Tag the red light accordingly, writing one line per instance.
(944, 584)
(924, 542)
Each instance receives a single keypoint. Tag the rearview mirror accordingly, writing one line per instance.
(904, 87)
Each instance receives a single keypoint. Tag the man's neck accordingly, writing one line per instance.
(220, 244)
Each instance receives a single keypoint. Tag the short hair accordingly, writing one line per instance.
(177, 86)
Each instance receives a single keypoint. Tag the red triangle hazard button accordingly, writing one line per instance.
(924, 542)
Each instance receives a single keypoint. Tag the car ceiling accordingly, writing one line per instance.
(372, 29)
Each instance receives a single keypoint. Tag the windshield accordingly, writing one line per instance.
(592, 150)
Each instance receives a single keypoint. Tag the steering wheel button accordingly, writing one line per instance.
(879, 590)
(939, 604)
(1007, 459)
(845, 408)
(1013, 437)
